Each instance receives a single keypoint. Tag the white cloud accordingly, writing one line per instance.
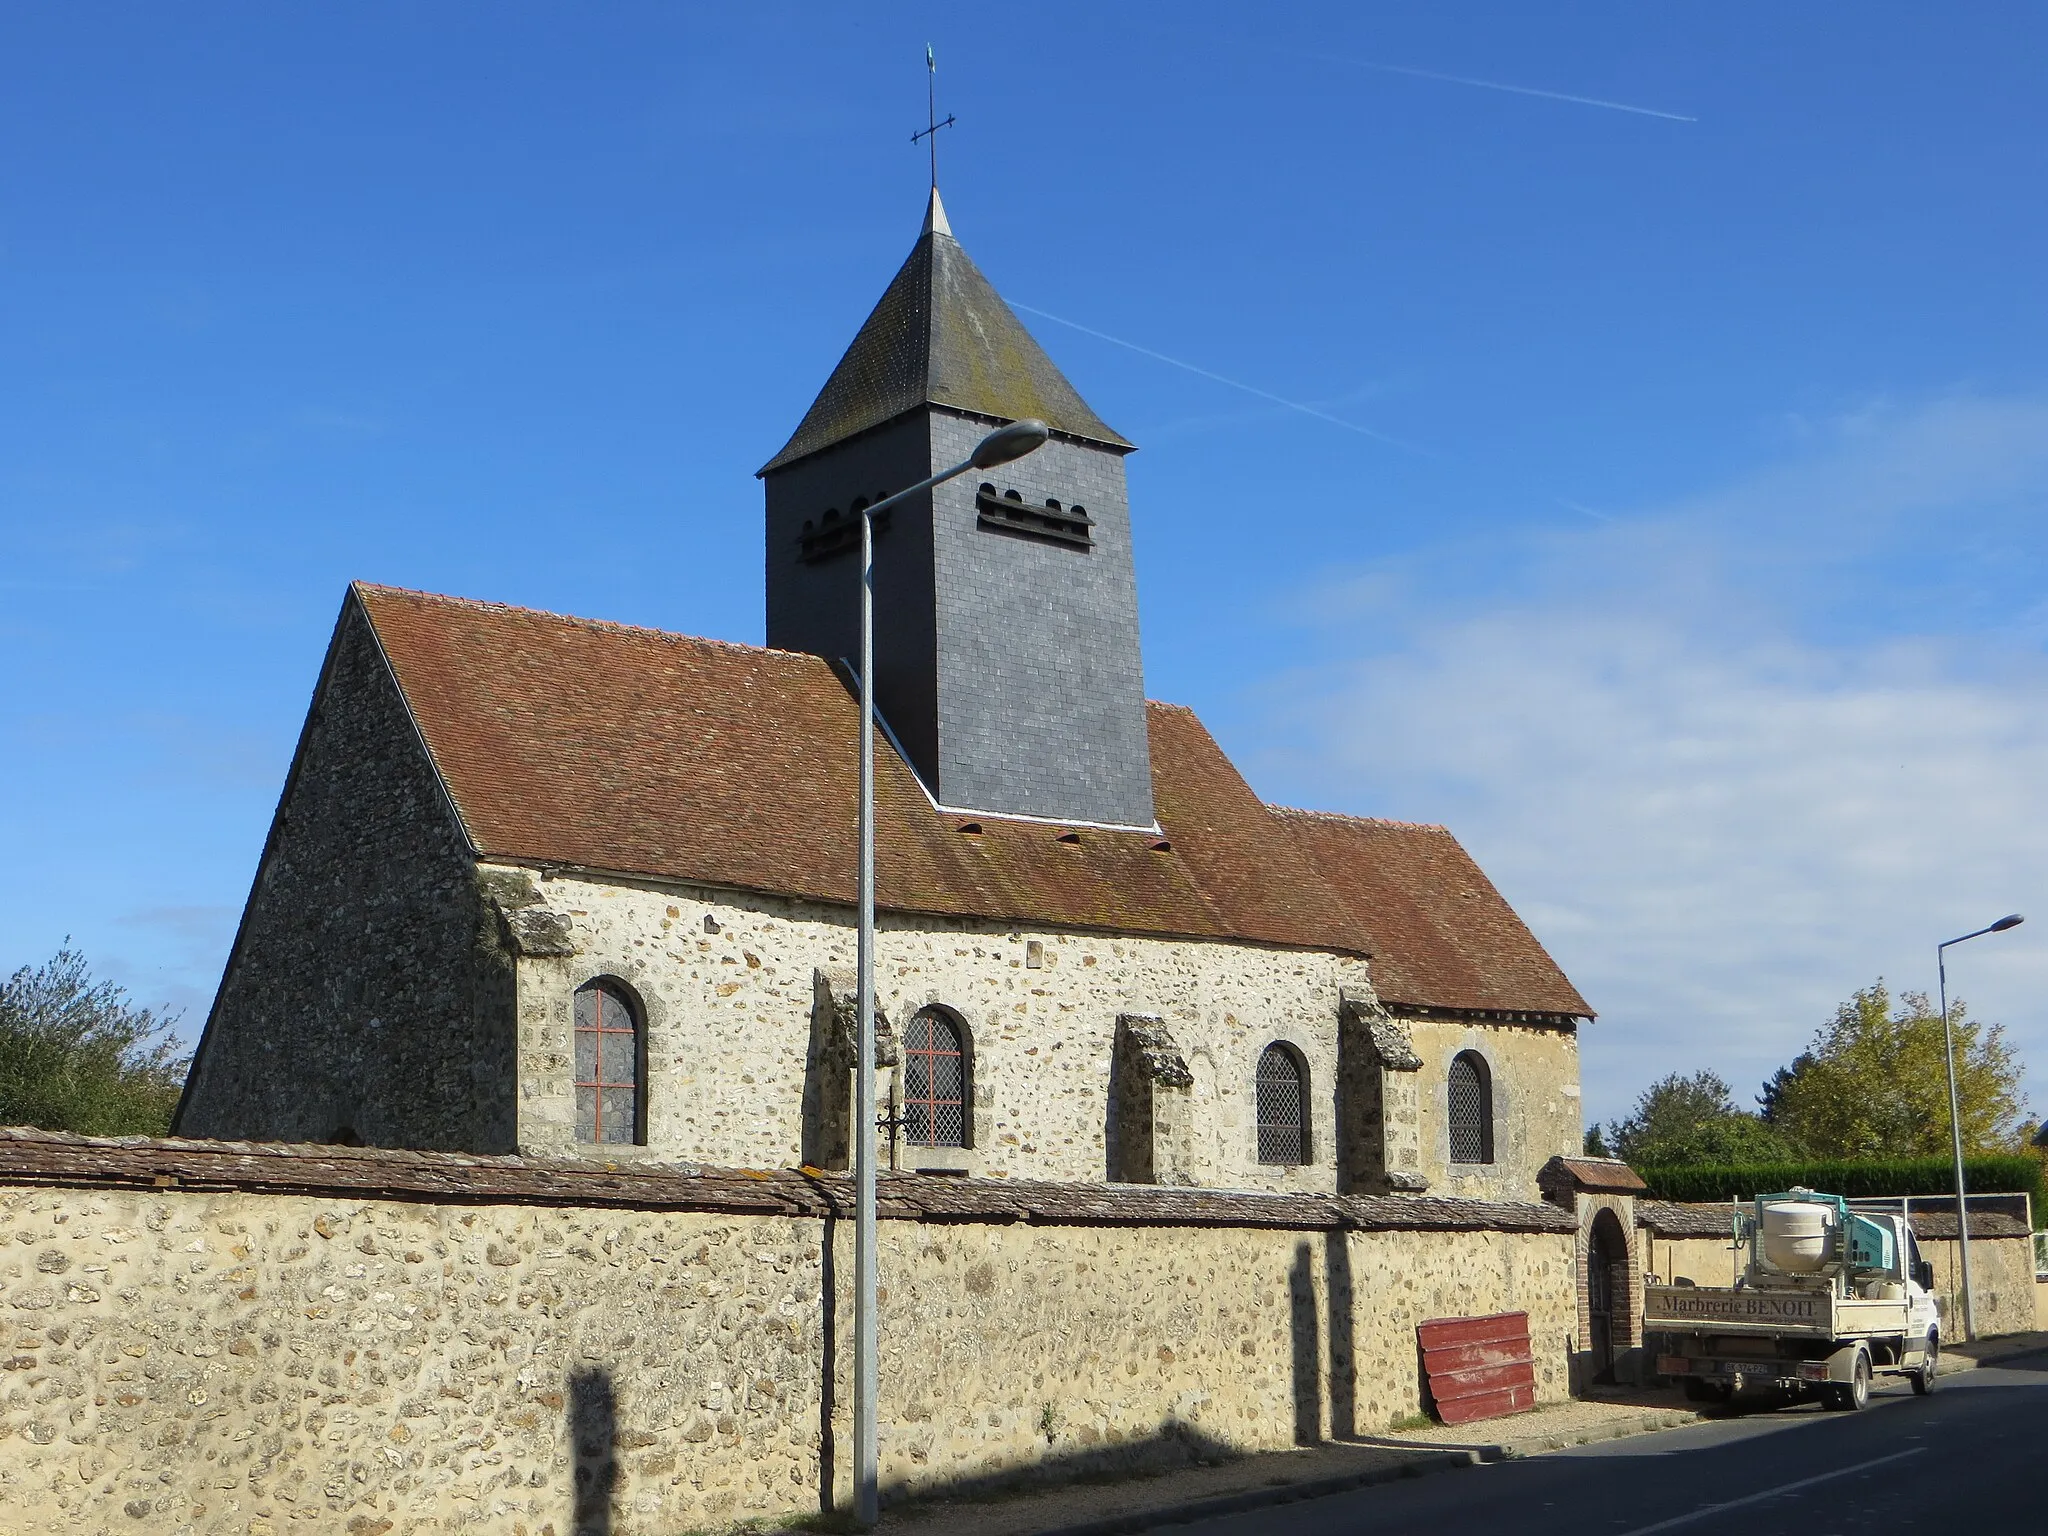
(1722, 792)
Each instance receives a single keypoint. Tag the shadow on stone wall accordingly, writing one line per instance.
(1306, 1327)
(828, 1378)
(1343, 1382)
(593, 1427)
(1174, 1444)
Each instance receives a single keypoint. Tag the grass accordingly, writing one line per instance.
(836, 1523)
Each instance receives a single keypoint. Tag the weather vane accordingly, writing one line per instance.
(932, 124)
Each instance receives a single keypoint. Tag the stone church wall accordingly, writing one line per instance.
(728, 983)
(436, 1358)
(1535, 1081)
(729, 1020)
(367, 996)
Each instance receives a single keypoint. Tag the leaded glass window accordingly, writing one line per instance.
(934, 1082)
(1471, 1109)
(607, 1064)
(1283, 1106)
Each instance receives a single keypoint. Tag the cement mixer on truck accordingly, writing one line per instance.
(1830, 1297)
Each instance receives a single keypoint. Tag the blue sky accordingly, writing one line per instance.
(1678, 540)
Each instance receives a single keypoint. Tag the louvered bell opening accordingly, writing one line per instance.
(934, 1083)
(1283, 1128)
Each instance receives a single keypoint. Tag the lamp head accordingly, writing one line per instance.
(1011, 442)
(2011, 920)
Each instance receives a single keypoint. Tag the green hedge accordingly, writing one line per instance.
(2003, 1175)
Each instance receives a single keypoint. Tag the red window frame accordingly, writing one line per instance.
(921, 1115)
(609, 1003)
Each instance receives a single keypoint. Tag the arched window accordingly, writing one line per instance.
(1471, 1109)
(608, 1057)
(1282, 1105)
(934, 1081)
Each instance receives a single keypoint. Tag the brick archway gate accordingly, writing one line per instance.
(1602, 1192)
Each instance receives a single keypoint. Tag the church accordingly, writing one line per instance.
(569, 888)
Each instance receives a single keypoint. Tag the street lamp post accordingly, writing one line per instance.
(1955, 1116)
(999, 447)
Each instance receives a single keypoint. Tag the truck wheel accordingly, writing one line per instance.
(1857, 1392)
(1848, 1396)
(1923, 1379)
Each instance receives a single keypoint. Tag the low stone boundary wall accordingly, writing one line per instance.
(1694, 1241)
(214, 1337)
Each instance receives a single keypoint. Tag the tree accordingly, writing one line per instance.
(1772, 1096)
(76, 1055)
(1693, 1120)
(1596, 1142)
(1873, 1083)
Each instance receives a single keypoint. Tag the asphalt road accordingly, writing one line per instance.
(1965, 1460)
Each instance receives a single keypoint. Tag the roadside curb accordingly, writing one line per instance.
(1997, 1359)
(1647, 1422)
(1994, 1350)
(1425, 1460)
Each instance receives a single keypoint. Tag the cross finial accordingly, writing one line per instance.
(930, 132)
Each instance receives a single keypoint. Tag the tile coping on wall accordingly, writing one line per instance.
(1672, 1219)
(29, 1156)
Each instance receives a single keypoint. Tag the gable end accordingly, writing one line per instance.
(368, 997)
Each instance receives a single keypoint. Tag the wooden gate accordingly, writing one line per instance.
(1606, 1279)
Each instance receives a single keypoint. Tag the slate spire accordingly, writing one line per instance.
(942, 336)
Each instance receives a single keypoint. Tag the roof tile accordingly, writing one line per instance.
(612, 748)
(1441, 935)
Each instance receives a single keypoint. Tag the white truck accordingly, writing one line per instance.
(1831, 1296)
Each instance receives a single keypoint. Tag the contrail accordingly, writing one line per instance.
(1518, 90)
(1250, 389)
(1573, 506)
(1267, 394)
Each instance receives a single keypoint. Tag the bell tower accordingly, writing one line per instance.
(1006, 609)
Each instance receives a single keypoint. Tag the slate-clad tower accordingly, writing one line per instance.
(1006, 638)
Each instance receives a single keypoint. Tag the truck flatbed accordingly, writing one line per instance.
(1740, 1310)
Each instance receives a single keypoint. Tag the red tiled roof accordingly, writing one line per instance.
(607, 747)
(1442, 936)
(1590, 1175)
